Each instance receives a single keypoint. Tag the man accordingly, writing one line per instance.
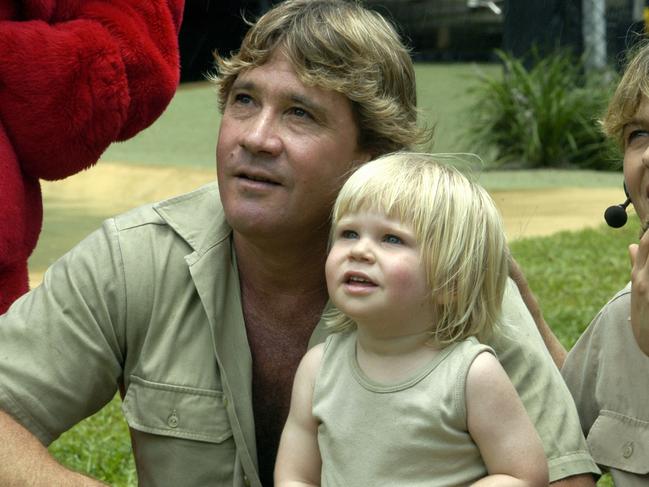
(199, 310)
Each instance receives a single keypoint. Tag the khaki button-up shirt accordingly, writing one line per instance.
(608, 376)
(150, 303)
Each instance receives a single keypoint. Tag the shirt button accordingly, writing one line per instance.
(225, 401)
(172, 420)
(627, 449)
(246, 480)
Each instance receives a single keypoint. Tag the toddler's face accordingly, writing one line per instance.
(375, 272)
(636, 160)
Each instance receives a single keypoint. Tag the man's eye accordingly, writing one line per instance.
(349, 234)
(392, 239)
(242, 98)
(300, 112)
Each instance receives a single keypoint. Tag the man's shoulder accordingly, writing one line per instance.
(195, 201)
(621, 301)
(610, 318)
(196, 217)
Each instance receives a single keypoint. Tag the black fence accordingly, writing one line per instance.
(447, 30)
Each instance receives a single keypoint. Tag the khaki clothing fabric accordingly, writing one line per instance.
(411, 433)
(608, 376)
(150, 304)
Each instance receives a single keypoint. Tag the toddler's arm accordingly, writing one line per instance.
(500, 426)
(298, 459)
(640, 292)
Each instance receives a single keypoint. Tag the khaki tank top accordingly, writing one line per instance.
(413, 433)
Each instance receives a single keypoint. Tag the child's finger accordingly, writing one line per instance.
(633, 252)
(641, 252)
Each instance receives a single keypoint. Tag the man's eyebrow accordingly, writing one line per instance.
(309, 104)
(243, 85)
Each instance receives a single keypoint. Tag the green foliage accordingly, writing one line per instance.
(542, 117)
(100, 447)
(573, 274)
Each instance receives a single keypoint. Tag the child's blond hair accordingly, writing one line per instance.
(458, 229)
(633, 86)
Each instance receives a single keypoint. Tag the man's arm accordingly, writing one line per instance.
(62, 351)
(575, 481)
(557, 351)
(31, 464)
(525, 358)
(298, 459)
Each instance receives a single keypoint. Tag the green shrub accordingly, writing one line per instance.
(542, 117)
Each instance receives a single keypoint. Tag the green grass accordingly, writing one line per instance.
(575, 273)
(100, 447)
(185, 134)
(62, 229)
(444, 100)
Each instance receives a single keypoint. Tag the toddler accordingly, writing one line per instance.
(405, 394)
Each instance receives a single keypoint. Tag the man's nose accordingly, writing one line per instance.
(261, 135)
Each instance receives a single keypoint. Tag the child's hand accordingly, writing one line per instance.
(639, 255)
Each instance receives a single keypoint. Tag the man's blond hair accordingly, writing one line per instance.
(458, 229)
(339, 45)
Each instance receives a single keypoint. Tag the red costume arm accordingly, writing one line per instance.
(77, 75)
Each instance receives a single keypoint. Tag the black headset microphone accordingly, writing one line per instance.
(615, 215)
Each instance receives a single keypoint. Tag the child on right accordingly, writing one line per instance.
(405, 394)
(607, 371)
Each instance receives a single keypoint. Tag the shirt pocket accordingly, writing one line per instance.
(620, 442)
(176, 411)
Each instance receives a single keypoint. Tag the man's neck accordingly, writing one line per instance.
(283, 293)
(278, 270)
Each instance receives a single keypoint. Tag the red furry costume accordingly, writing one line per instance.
(75, 75)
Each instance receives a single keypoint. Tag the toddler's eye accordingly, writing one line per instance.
(392, 239)
(349, 234)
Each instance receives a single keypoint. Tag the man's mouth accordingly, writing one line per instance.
(256, 178)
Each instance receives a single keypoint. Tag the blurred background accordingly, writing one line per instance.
(443, 30)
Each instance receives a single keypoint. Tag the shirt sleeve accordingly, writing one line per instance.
(61, 345)
(548, 402)
(580, 372)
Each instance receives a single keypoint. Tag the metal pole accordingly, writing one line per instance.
(594, 34)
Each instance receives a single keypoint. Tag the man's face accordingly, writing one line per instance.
(636, 160)
(283, 152)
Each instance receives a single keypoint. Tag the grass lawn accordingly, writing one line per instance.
(572, 273)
